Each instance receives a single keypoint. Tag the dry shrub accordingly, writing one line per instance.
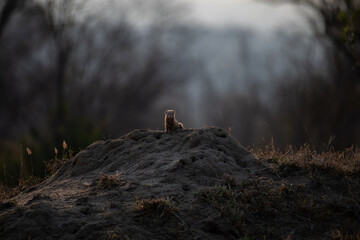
(159, 206)
(110, 181)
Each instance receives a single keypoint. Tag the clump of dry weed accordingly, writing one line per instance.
(110, 181)
(117, 235)
(59, 159)
(7, 192)
(159, 206)
(229, 180)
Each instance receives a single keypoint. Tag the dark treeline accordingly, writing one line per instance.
(329, 107)
(82, 77)
(317, 104)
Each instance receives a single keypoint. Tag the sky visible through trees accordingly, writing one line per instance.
(81, 71)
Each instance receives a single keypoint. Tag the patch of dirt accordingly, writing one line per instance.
(94, 195)
(185, 184)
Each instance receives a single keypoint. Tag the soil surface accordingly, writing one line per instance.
(184, 184)
(78, 203)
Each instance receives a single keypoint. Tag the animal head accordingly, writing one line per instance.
(170, 113)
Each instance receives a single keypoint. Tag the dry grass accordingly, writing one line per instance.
(229, 180)
(117, 235)
(28, 181)
(338, 235)
(59, 159)
(249, 202)
(7, 192)
(318, 198)
(158, 206)
(110, 181)
(346, 162)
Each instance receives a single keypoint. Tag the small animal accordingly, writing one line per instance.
(170, 121)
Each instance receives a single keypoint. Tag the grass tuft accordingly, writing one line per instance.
(229, 180)
(58, 161)
(117, 235)
(110, 181)
(158, 206)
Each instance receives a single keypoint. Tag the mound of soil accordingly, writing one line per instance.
(143, 185)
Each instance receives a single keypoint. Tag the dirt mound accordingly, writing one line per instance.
(140, 186)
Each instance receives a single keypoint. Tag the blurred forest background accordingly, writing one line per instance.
(82, 71)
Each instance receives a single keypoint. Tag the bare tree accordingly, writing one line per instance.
(314, 108)
(9, 7)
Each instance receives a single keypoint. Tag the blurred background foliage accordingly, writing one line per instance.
(79, 71)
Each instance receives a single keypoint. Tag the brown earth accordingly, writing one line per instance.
(185, 184)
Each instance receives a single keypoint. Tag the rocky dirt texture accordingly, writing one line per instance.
(185, 184)
(140, 186)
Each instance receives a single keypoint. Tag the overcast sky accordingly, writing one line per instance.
(254, 14)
